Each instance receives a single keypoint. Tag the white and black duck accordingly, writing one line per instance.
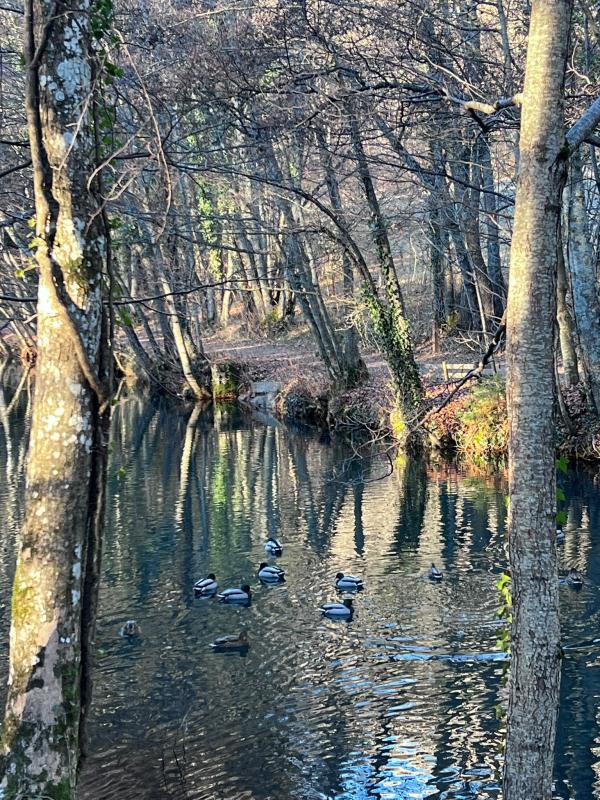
(435, 574)
(269, 573)
(207, 586)
(343, 610)
(348, 583)
(130, 629)
(241, 595)
(273, 546)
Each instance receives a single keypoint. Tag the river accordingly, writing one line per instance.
(398, 703)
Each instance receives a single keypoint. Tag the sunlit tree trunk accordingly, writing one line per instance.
(490, 205)
(436, 259)
(535, 664)
(566, 325)
(54, 593)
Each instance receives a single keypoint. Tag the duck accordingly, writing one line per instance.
(273, 546)
(130, 629)
(270, 573)
(435, 574)
(575, 578)
(207, 586)
(336, 610)
(560, 536)
(348, 582)
(230, 642)
(241, 595)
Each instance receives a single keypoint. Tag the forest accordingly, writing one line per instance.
(301, 296)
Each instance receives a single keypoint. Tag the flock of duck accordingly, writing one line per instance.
(270, 574)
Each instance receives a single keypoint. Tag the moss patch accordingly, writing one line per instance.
(227, 377)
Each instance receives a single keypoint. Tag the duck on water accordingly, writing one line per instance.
(231, 642)
(207, 586)
(348, 583)
(343, 610)
(269, 573)
(241, 595)
(273, 546)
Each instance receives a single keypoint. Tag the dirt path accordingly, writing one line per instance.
(289, 358)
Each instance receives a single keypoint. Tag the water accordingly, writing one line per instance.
(399, 703)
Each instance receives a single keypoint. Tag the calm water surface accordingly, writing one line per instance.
(399, 703)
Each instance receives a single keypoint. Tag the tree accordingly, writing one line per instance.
(535, 662)
(55, 586)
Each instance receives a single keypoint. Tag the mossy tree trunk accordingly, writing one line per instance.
(55, 587)
(388, 317)
(534, 678)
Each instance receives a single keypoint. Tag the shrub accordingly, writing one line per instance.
(482, 434)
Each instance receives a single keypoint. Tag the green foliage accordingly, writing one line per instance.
(226, 380)
(562, 465)
(483, 430)
(102, 27)
(505, 613)
(125, 318)
(102, 18)
(393, 335)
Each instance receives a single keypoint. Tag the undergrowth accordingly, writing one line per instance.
(482, 434)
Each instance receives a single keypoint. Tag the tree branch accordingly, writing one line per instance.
(584, 127)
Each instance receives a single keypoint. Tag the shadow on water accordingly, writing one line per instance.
(397, 703)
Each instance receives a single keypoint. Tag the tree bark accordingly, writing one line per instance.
(55, 586)
(354, 364)
(490, 205)
(534, 678)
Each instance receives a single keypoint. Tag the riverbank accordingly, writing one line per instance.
(285, 376)
(469, 422)
(291, 380)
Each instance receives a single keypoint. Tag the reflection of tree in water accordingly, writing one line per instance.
(413, 492)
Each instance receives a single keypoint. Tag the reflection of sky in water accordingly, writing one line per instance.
(397, 704)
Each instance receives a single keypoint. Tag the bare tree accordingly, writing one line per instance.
(55, 586)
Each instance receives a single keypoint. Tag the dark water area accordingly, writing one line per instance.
(398, 703)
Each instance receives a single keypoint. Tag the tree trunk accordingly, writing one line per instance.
(566, 325)
(390, 323)
(355, 367)
(436, 259)
(298, 273)
(534, 679)
(491, 224)
(227, 291)
(583, 282)
(467, 212)
(55, 586)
